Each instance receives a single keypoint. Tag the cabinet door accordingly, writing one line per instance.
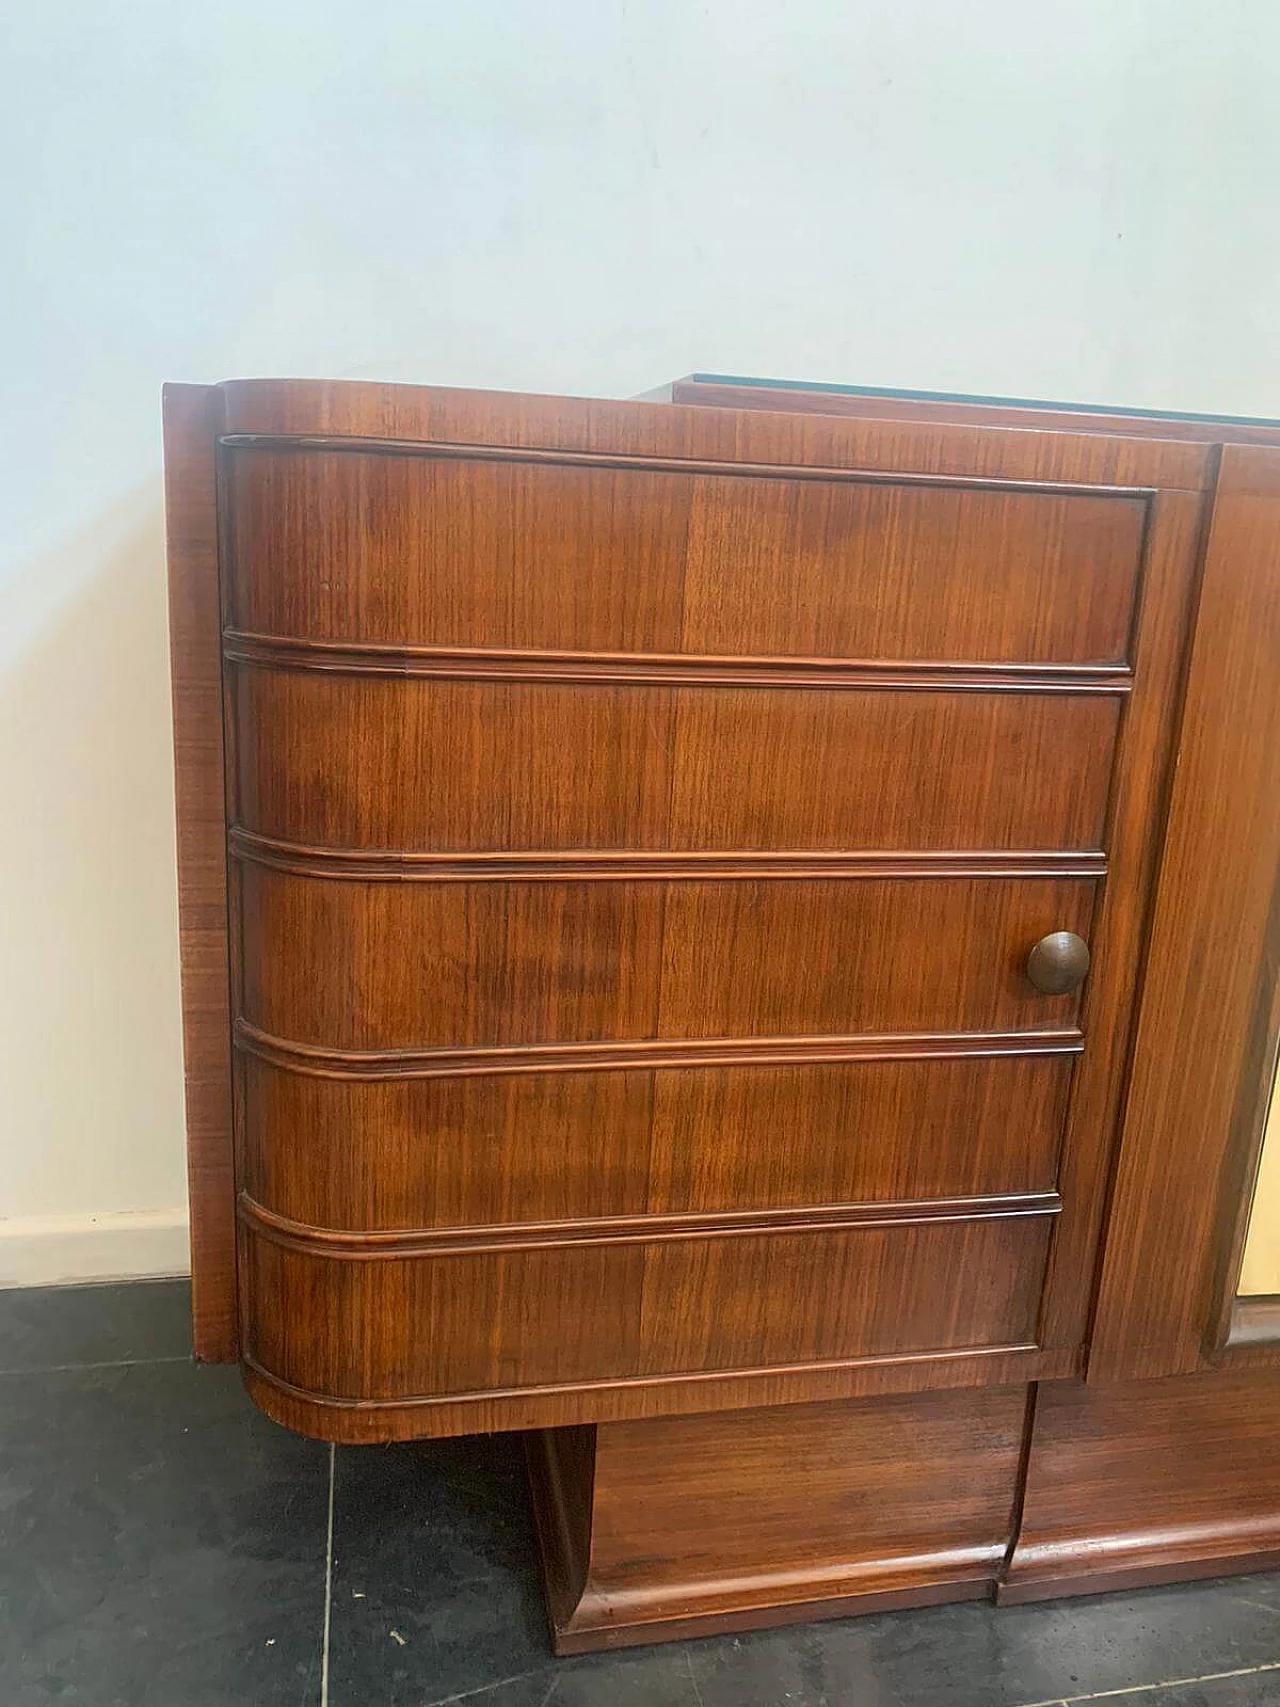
(1178, 1290)
(652, 833)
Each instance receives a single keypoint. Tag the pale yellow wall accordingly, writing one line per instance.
(589, 197)
(1261, 1271)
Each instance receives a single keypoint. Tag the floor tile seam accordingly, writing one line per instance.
(326, 1629)
(106, 1363)
(1159, 1683)
(486, 1688)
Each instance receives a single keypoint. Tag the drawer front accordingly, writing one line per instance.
(350, 965)
(497, 1149)
(426, 765)
(451, 551)
(430, 1326)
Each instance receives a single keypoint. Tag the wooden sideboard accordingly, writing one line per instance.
(702, 941)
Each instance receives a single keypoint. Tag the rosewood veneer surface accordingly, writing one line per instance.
(621, 830)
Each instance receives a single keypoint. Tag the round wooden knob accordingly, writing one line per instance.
(1058, 963)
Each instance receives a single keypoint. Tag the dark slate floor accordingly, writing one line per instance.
(162, 1543)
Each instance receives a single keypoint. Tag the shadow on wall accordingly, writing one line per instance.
(90, 1039)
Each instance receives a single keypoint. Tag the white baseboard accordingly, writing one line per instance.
(51, 1250)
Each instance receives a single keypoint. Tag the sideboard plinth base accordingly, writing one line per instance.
(693, 1526)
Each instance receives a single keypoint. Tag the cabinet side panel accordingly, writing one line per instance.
(192, 418)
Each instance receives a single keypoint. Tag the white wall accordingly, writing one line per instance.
(1000, 196)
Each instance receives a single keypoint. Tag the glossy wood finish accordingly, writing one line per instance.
(1149, 1481)
(416, 551)
(639, 822)
(373, 1421)
(1158, 1478)
(660, 1530)
(1211, 1022)
(1208, 1032)
(415, 1329)
(312, 414)
(192, 420)
(634, 874)
(1167, 609)
(427, 765)
(692, 1525)
(451, 1151)
(493, 965)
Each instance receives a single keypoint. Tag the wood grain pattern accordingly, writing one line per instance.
(691, 1525)
(642, 819)
(386, 764)
(905, 449)
(806, 770)
(421, 1329)
(393, 1244)
(414, 549)
(1174, 546)
(829, 957)
(414, 966)
(895, 572)
(368, 1422)
(1141, 785)
(1206, 1043)
(192, 417)
(660, 1530)
(1149, 1481)
(471, 1152)
(449, 1152)
(893, 1129)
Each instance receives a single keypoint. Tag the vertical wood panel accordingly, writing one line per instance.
(1198, 1088)
(1139, 799)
